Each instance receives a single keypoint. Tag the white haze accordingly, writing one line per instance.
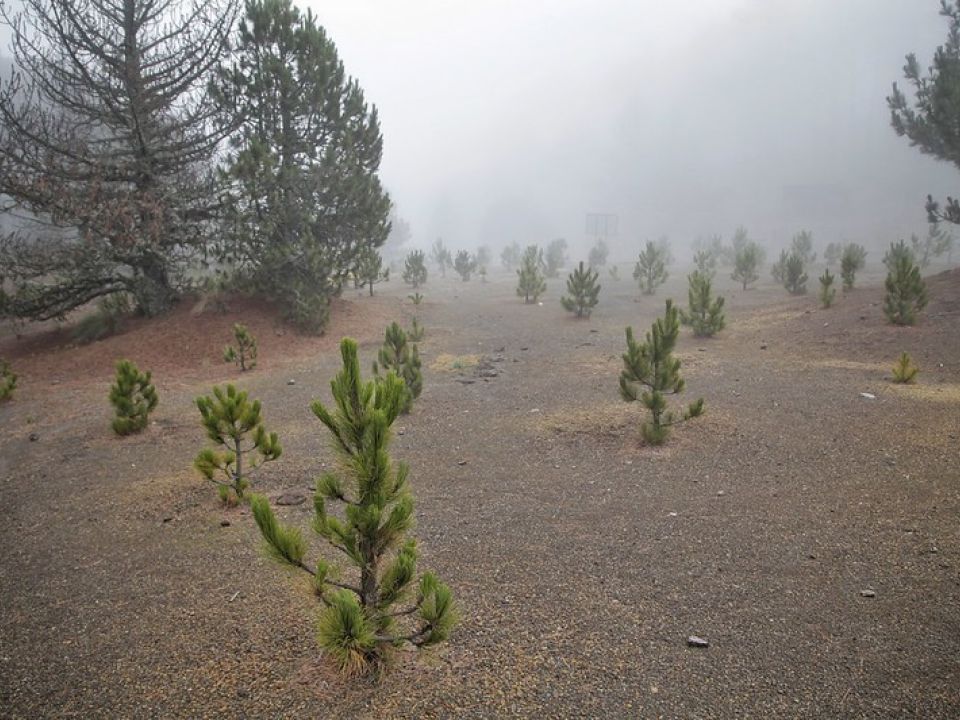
(509, 120)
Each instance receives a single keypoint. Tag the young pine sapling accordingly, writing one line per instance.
(415, 269)
(133, 397)
(245, 352)
(852, 260)
(362, 623)
(906, 291)
(403, 359)
(651, 372)
(584, 291)
(8, 381)
(827, 291)
(229, 419)
(905, 371)
(651, 269)
(531, 283)
(705, 315)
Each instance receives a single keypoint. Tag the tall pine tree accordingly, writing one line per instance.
(106, 140)
(305, 200)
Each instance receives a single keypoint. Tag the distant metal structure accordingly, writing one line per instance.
(602, 225)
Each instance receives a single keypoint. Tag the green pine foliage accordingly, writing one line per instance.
(133, 397)
(510, 256)
(556, 257)
(899, 250)
(852, 260)
(304, 200)
(531, 283)
(8, 381)
(370, 270)
(415, 269)
(936, 242)
(906, 292)
(235, 424)
(403, 359)
(802, 246)
(705, 262)
(598, 255)
(705, 314)
(651, 269)
(441, 256)
(364, 621)
(416, 331)
(905, 371)
(416, 298)
(245, 352)
(828, 292)
(794, 275)
(779, 269)
(746, 263)
(465, 264)
(584, 291)
(650, 373)
(832, 253)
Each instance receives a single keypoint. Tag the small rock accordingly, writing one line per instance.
(701, 349)
(291, 381)
(535, 410)
(224, 523)
(167, 518)
(720, 493)
(524, 348)
(466, 381)
(34, 437)
(671, 514)
(868, 593)
(290, 499)
(763, 347)
(461, 462)
(863, 317)
(868, 396)
(401, 431)
(698, 642)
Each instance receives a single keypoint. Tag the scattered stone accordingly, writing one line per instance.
(524, 348)
(34, 437)
(720, 493)
(290, 498)
(461, 462)
(763, 346)
(868, 396)
(863, 317)
(167, 518)
(466, 381)
(291, 381)
(671, 514)
(868, 593)
(224, 523)
(535, 410)
(701, 349)
(697, 642)
(593, 330)
(401, 431)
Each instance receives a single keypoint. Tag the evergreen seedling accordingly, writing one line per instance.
(370, 270)
(584, 291)
(416, 332)
(705, 263)
(362, 622)
(415, 269)
(852, 260)
(705, 315)
(906, 291)
(133, 397)
(598, 255)
(651, 269)
(235, 424)
(416, 298)
(651, 372)
(397, 356)
(464, 264)
(441, 256)
(746, 264)
(8, 381)
(614, 273)
(531, 283)
(827, 291)
(245, 352)
(794, 277)
(905, 371)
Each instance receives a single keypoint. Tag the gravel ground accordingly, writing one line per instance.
(581, 560)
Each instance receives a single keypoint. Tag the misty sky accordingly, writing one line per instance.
(511, 119)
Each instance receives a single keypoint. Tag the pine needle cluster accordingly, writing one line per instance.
(584, 291)
(852, 260)
(651, 372)
(360, 625)
(133, 397)
(245, 352)
(234, 423)
(403, 359)
(905, 371)
(705, 315)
